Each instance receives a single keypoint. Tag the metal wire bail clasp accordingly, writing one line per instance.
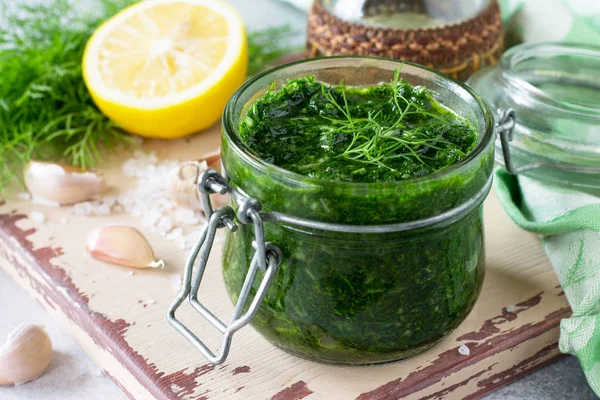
(507, 122)
(267, 258)
(505, 128)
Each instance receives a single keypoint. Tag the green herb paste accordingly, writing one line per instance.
(382, 133)
(347, 297)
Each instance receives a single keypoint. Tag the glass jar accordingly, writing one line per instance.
(457, 37)
(555, 92)
(371, 272)
(406, 14)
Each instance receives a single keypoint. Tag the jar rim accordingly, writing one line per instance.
(517, 55)
(230, 126)
(472, 18)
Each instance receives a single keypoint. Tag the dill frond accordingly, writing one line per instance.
(378, 133)
(377, 141)
(46, 112)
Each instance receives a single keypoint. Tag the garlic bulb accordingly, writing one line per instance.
(61, 184)
(25, 355)
(184, 179)
(122, 245)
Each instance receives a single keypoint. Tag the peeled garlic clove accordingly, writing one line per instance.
(25, 355)
(122, 245)
(61, 184)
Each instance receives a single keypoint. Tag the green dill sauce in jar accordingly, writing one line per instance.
(389, 164)
(382, 133)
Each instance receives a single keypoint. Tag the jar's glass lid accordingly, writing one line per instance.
(555, 91)
(406, 14)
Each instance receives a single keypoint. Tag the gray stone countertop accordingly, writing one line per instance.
(73, 376)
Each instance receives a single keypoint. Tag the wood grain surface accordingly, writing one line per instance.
(512, 330)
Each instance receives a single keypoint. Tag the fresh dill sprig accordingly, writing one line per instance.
(376, 140)
(380, 133)
(46, 111)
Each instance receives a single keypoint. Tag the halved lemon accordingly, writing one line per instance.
(166, 68)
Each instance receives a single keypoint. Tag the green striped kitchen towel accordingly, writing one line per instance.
(575, 21)
(569, 224)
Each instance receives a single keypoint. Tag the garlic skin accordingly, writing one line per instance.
(182, 184)
(59, 184)
(25, 355)
(213, 160)
(122, 245)
(183, 181)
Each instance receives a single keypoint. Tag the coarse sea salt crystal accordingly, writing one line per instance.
(175, 235)
(464, 350)
(164, 224)
(176, 281)
(151, 218)
(101, 209)
(37, 216)
(23, 196)
(166, 204)
(83, 208)
(511, 308)
(152, 158)
(184, 215)
(188, 217)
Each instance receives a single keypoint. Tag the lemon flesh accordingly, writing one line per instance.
(166, 68)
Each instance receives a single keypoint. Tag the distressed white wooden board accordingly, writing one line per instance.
(99, 305)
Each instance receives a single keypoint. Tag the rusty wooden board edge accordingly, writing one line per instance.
(542, 334)
(54, 289)
(33, 269)
(31, 285)
(478, 381)
(512, 377)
